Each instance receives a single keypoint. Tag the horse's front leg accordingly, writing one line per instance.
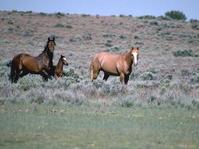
(44, 75)
(23, 73)
(106, 75)
(49, 72)
(122, 76)
(126, 79)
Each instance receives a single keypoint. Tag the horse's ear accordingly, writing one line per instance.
(48, 38)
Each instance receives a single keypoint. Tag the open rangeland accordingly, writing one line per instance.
(159, 108)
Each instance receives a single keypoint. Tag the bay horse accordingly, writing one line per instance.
(23, 64)
(58, 69)
(114, 64)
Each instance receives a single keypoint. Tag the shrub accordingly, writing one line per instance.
(69, 26)
(154, 23)
(42, 14)
(195, 78)
(176, 15)
(147, 17)
(59, 25)
(85, 15)
(194, 24)
(148, 76)
(59, 14)
(122, 37)
(184, 53)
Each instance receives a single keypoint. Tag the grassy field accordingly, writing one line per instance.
(157, 109)
(97, 126)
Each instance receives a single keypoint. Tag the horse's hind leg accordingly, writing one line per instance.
(106, 75)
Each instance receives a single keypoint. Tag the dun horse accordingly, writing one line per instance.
(114, 64)
(58, 69)
(23, 64)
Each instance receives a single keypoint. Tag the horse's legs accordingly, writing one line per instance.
(23, 74)
(122, 77)
(126, 79)
(44, 75)
(16, 77)
(106, 75)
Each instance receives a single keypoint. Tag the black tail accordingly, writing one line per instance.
(12, 73)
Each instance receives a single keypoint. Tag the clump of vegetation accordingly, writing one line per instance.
(87, 36)
(155, 23)
(194, 24)
(184, 53)
(85, 15)
(150, 75)
(176, 15)
(59, 14)
(42, 14)
(108, 35)
(69, 26)
(59, 25)
(122, 37)
(108, 43)
(147, 17)
(195, 78)
(122, 16)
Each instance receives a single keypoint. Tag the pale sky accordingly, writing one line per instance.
(105, 7)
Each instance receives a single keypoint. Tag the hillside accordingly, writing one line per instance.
(157, 109)
(168, 58)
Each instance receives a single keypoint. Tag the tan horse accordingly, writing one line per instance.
(58, 72)
(114, 64)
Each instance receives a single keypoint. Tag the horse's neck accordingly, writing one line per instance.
(59, 65)
(128, 58)
(46, 54)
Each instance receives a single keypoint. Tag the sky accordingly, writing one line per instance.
(105, 7)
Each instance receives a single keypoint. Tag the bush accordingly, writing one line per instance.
(184, 53)
(176, 15)
(59, 25)
(59, 14)
(69, 26)
(147, 17)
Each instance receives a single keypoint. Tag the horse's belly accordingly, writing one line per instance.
(31, 66)
(111, 69)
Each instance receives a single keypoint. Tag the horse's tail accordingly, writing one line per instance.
(91, 70)
(16, 65)
(12, 72)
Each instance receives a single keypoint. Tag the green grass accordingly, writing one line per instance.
(97, 126)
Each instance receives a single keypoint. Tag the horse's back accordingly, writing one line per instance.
(27, 62)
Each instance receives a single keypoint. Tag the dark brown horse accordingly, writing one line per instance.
(58, 72)
(114, 64)
(23, 64)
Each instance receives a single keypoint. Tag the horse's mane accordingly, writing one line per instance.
(49, 53)
(128, 57)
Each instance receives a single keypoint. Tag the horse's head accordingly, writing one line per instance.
(51, 43)
(135, 54)
(63, 59)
